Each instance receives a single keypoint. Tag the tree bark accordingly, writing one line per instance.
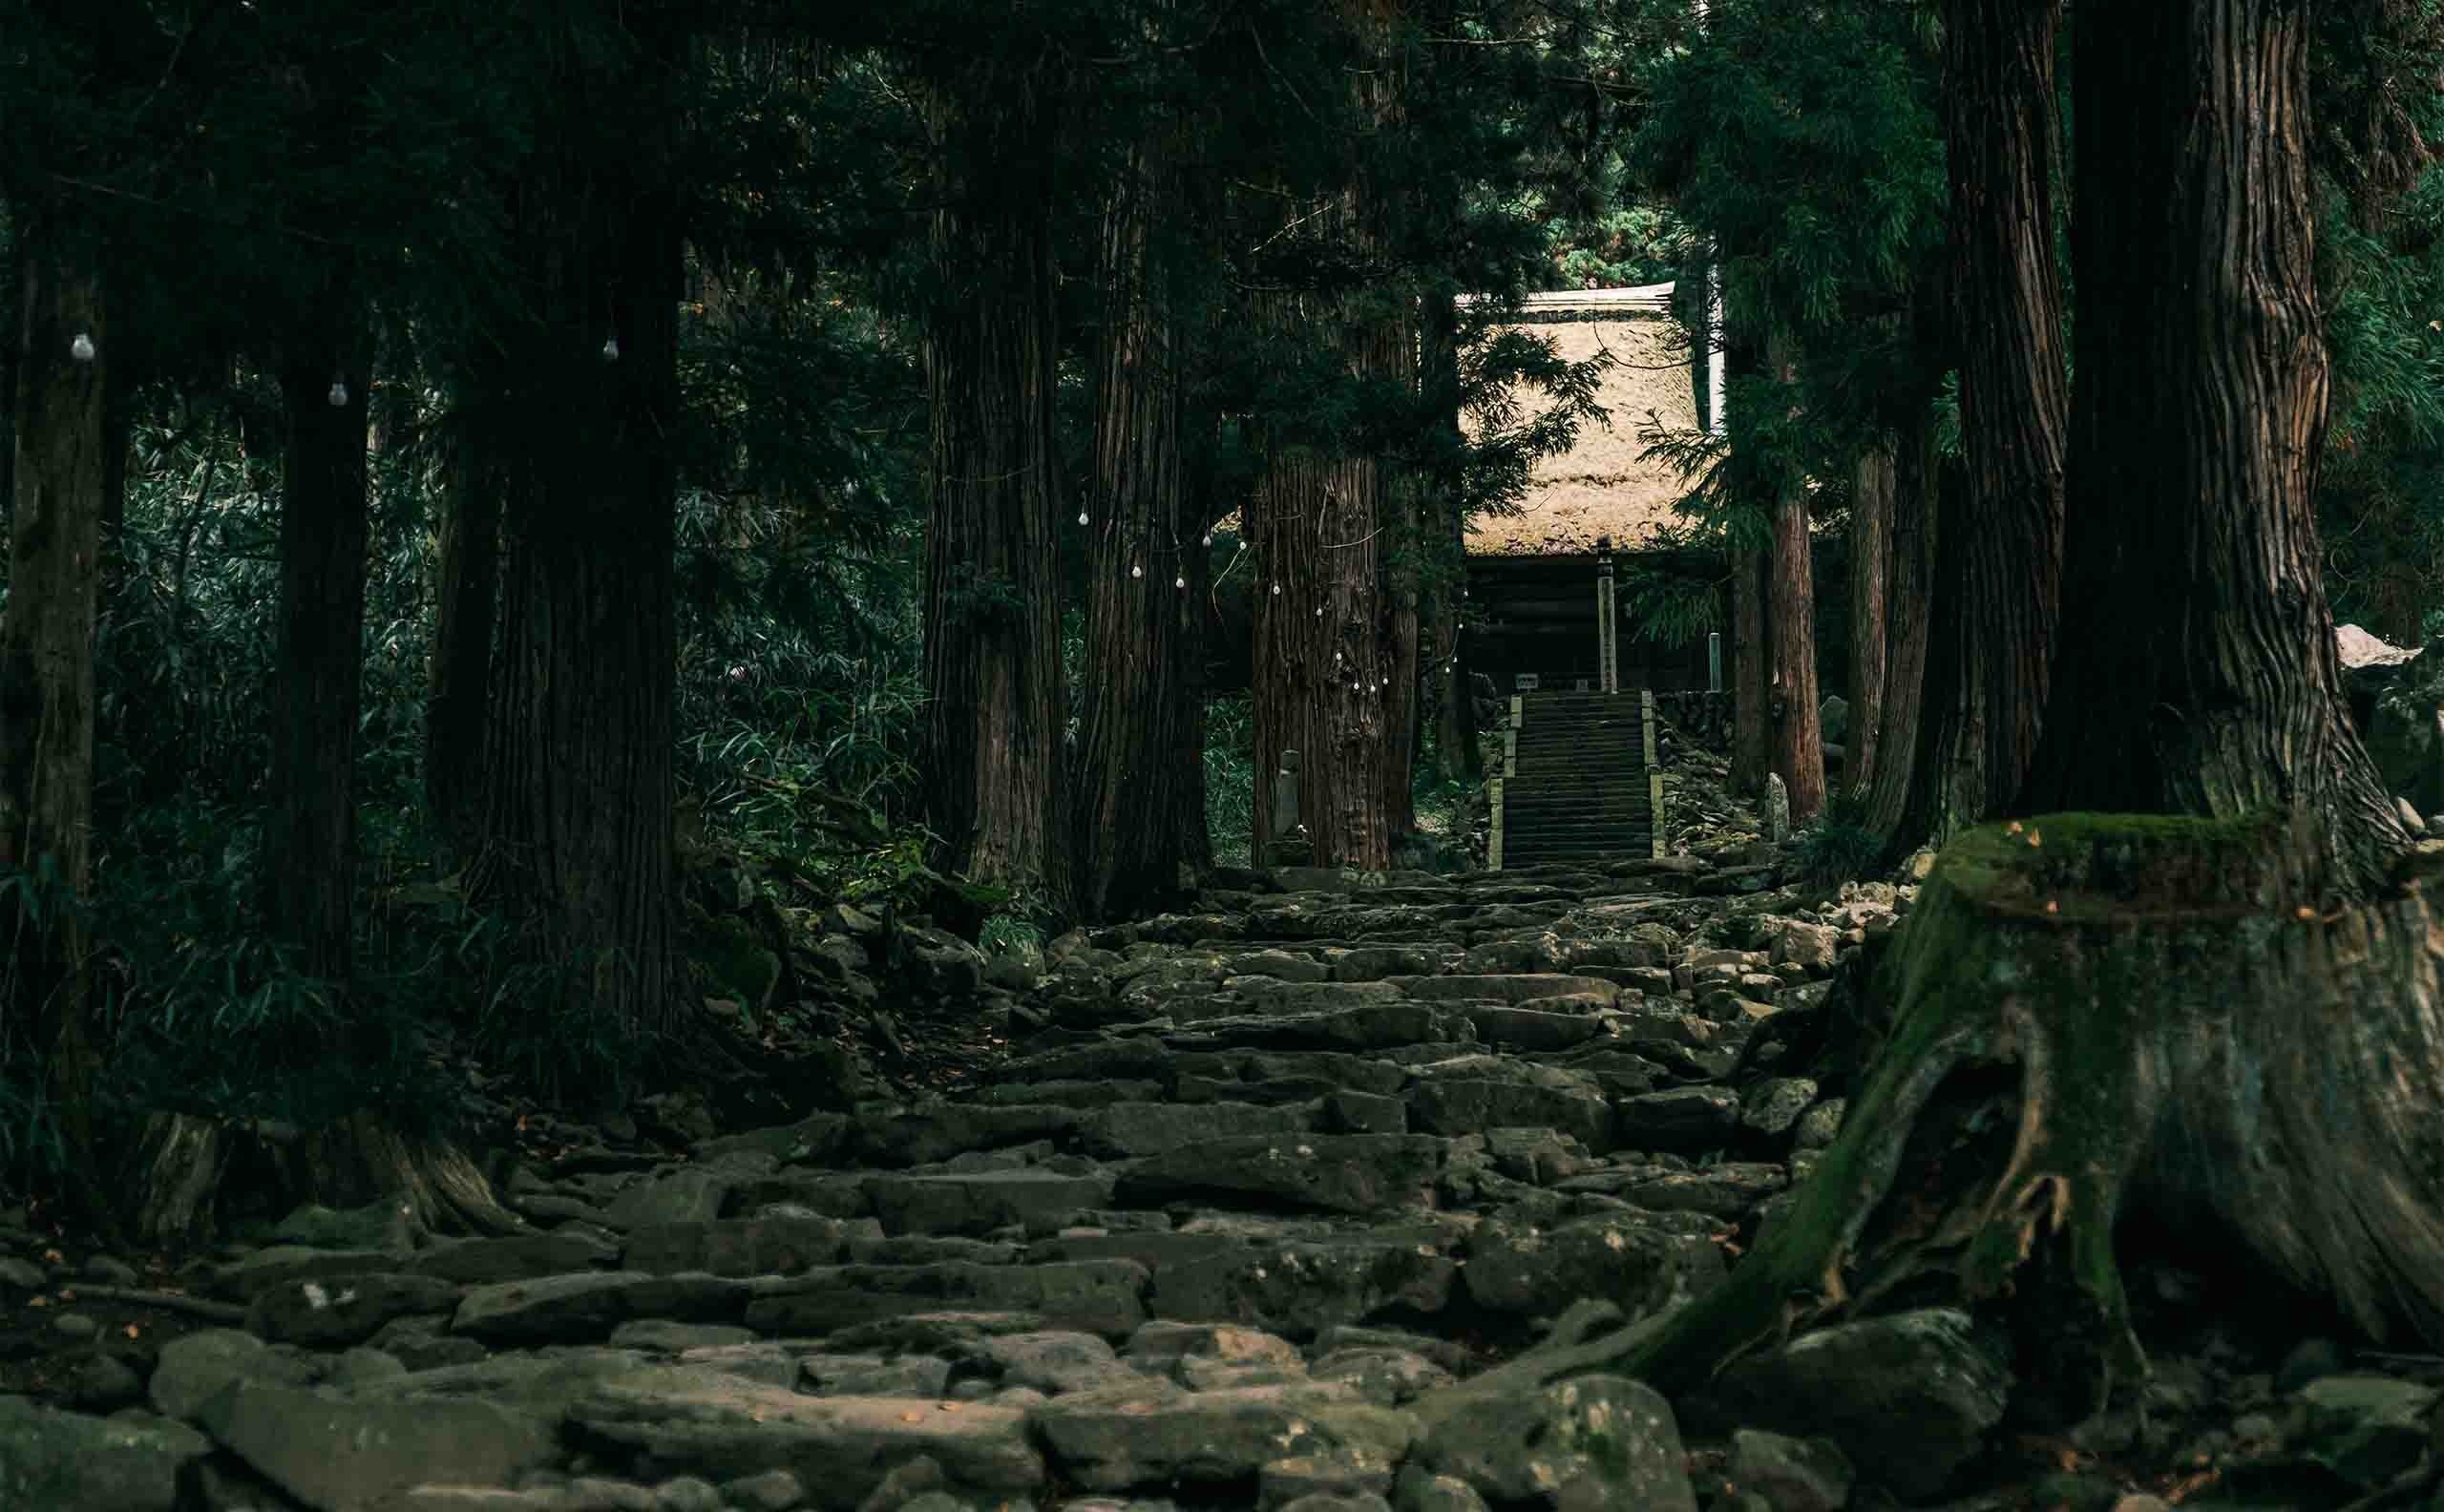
(1457, 756)
(1917, 483)
(2000, 558)
(61, 474)
(1751, 721)
(1870, 609)
(1318, 657)
(1133, 755)
(1797, 735)
(2205, 678)
(993, 675)
(2167, 1043)
(577, 838)
(2224, 1007)
(465, 615)
(310, 822)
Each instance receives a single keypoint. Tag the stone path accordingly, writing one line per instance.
(1262, 1184)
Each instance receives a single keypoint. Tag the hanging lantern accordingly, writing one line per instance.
(339, 393)
(82, 347)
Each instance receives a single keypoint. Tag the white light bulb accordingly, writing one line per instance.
(339, 394)
(1136, 569)
(610, 348)
(1179, 583)
(1320, 611)
(1209, 537)
(1336, 659)
(1082, 516)
(1276, 590)
(82, 347)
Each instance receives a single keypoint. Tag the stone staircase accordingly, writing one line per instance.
(1580, 782)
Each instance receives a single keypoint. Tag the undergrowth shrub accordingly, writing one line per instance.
(1836, 846)
(1230, 777)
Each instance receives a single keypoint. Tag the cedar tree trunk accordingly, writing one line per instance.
(1139, 613)
(2000, 556)
(61, 475)
(993, 675)
(2204, 680)
(2225, 1009)
(578, 818)
(1795, 738)
(1917, 481)
(1319, 658)
(1870, 576)
(1457, 757)
(466, 611)
(310, 826)
(1750, 722)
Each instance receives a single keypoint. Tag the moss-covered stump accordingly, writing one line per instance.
(2097, 1010)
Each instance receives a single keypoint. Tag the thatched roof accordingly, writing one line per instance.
(1600, 488)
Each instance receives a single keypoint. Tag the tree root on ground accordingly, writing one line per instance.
(2095, 1011)
(186, 1158)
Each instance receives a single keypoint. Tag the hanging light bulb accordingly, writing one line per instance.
(1276, 590)
(611, 347)
(1180, 581)
(1336, 659)
(82, 347)
(339, 393)
(1082, 516)
(1209, 537)
(1137, 569)
(1320, 611)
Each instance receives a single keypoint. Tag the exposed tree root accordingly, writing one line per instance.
(350, 1162)
(2155, 1022)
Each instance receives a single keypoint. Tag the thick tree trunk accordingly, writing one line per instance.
(576, 837)
(1917, 482)
(1751, 718)
(2000, 559)
(1130, 755)
(2204, 680)
(61, 475)
(1796, 739)
(1457, 757)
(2224, 1008)
(992, 676)
(466, 612)
(1318, 656)
(1870, 610)
(310, 823)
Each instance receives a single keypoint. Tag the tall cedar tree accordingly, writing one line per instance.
(2204, 679)
(576, 837)
(993, 769)
(1133, 753)
(2237, 1006)
(1795, 738)
(61, 479)
(1999, 552)
(1326, 646)
(310, 823)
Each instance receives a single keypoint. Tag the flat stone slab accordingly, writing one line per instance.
(1131, 1436)
(336, 1455)
(1103, 1296)
(1031, 1198)
(1344, 1172)
(689, 1421)
(1510, 987)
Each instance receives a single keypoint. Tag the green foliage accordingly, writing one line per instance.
(1231, 777)
(1836, 846)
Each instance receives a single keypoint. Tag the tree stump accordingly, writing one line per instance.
(2097, 1013)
